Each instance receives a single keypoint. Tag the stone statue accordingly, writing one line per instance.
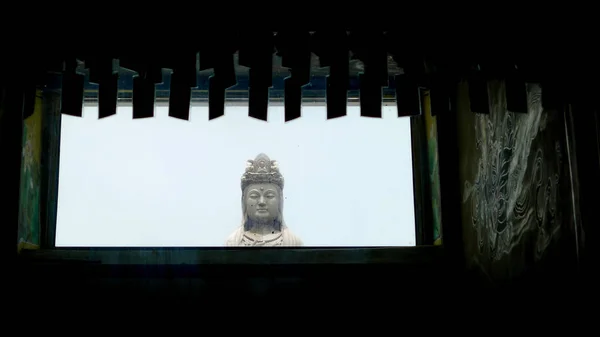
(262, 207)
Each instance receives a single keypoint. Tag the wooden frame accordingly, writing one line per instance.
(419, 254)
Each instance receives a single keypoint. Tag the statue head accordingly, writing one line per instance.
(262, 193)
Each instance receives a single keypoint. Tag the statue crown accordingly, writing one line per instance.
(262, 170)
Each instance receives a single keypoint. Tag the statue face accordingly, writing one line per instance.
(262, 202)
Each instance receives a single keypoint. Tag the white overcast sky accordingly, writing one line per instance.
(167, 182)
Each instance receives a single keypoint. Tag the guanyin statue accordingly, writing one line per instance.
(262, 207)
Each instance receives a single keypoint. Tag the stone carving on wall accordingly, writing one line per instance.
(512, 175)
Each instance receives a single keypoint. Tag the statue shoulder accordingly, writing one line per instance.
(234, 238)
(291, 239)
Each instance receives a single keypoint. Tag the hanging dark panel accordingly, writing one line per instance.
(258, 98)
(107, 96)
(149, 73)
(369, 47)
(180, 96)
(256, 53)
(218, 55)
(72, 93)
(223, 79)
(216, 98)
(183, 79)
(408, 97)
(294, 49)
(407, 56)
(332, 48)
(370, 96)
(102, 71)
(144, 92)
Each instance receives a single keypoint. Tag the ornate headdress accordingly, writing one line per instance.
(262, 170)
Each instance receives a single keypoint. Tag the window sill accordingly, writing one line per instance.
(233, 263)
(237, 256)
(194, 274)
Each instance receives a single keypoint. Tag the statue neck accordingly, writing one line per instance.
(262, 228)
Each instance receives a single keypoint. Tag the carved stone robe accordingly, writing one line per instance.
(242, 238)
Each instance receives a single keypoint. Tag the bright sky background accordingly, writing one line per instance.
(168, 182)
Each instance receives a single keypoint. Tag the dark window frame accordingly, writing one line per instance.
(423, 252)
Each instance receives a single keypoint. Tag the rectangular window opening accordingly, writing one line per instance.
(164, 182)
